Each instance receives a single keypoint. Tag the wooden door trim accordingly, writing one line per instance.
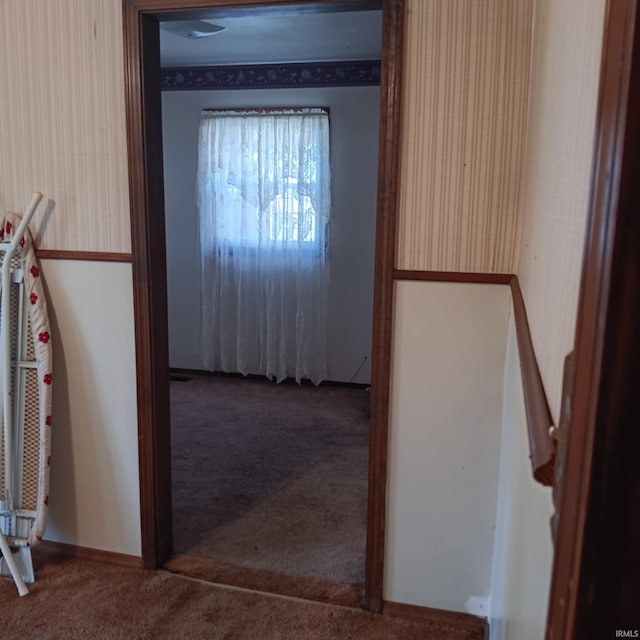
(141, 57)
(385, 258)
(594, 416)
(144, 149)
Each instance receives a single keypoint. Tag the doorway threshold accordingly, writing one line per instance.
(219, 572)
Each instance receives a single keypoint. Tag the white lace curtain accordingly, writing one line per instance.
(263, 195)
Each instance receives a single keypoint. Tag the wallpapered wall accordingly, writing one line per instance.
(564, 96)
(63, 127)
(62, 120)
(465, 93)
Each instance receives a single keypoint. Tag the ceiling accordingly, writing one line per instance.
(308, 37)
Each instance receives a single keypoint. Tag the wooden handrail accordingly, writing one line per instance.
(539, 420)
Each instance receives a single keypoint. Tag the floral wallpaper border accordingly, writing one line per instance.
(273, 76)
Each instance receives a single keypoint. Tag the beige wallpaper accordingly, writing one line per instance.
(62, 127)
(465, 104)
(564, 96)
(62, 120)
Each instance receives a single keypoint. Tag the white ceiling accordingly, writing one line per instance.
(310, 37)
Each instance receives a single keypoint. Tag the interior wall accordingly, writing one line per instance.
(564, 92)
(465, 92)
(62, 132)
(62, 121)
(94, 498)
(523, 551)
(449, 345)
(458, 201)
(355, 114)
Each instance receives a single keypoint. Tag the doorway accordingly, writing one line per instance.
(269, 482)
(142, 68)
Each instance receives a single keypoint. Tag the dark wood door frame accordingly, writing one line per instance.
(595, 587)
(144, 132)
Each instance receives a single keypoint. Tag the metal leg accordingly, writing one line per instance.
(13, 569)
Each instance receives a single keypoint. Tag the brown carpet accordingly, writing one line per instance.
(76, 600)
(218, 572)
(271, 477)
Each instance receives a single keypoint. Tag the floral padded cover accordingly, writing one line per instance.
(37, 400)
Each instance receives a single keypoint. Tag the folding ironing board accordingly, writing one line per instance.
(25, 399)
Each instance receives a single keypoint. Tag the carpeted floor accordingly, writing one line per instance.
(81, 600)
(270, 477)
(219, 572)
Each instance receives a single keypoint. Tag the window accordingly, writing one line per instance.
(264, 201)
(263, 178)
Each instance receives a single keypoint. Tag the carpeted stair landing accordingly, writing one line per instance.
(82, 600)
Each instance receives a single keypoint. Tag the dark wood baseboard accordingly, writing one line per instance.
(63, 550)
(440, 616)
(453, 276)
(90, 256)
